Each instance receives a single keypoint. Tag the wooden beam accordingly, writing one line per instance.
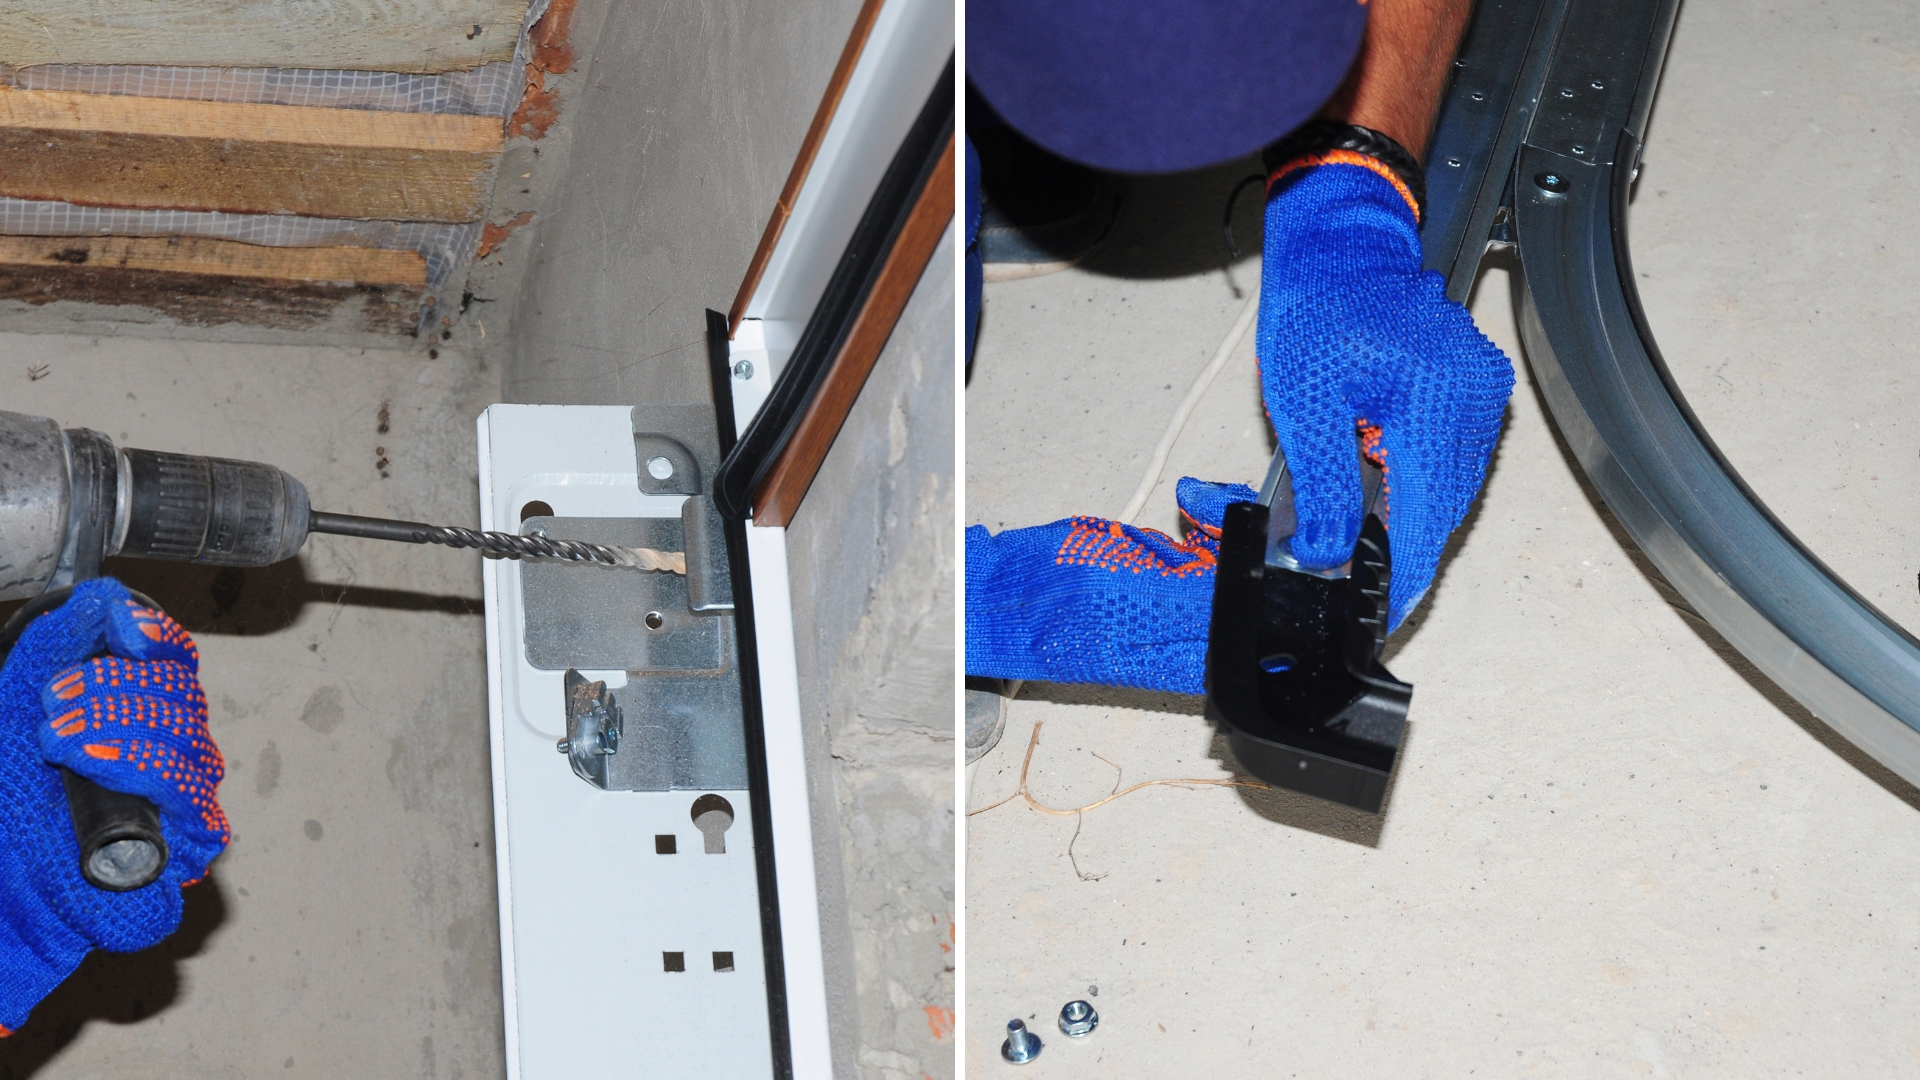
(103, 150)
(217, 258)
(209, 284)
(360, 35)
(787, 482)
(803, 161)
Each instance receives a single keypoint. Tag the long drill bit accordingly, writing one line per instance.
(499, 544)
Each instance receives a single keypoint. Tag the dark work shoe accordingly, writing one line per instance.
(1039, 212)
(986, 714)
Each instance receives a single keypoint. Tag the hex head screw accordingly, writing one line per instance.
(1077, 1019)
(1022, 1045)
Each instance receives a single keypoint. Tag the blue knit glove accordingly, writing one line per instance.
(134, 720)
(1353, 337)
(1353, 332)
(1093, 601)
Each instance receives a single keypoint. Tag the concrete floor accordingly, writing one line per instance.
(350, 930)
(1611, 848)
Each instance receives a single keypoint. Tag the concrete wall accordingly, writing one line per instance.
(350, 928)
(684, 120)
(872, 564)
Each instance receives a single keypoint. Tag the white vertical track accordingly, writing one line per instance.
(496, 721)
(909, 43)
(788, 805)
(574, 860)
(903, 56)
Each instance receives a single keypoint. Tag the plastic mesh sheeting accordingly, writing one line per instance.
(488, 90)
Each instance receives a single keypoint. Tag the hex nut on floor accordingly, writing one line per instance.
(1077, 1019)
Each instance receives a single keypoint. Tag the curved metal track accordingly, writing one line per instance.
(1594, 357)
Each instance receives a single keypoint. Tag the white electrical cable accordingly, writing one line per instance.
(1187, 404)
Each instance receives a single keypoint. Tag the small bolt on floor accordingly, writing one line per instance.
(1022, 1045)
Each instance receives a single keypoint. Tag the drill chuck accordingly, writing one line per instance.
(186, 508)
(69, 499)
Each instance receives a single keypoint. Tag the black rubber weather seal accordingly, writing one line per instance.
(754, 723)
(761, 445)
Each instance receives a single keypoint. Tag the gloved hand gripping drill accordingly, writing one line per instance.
(101, 708)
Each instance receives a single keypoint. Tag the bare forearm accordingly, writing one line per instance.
(1396, 82)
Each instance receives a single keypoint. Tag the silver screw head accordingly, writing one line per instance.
(1022, 1045)
(563, 746)
(659, 468)
(1077, 1019)
(743, 370)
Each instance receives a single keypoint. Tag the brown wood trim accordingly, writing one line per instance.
(787, 482)
(803, 162)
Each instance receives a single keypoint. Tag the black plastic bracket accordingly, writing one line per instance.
(1294, 673)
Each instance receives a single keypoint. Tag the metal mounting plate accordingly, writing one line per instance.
(603, 617)
(589, 908)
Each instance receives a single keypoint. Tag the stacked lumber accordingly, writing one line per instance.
(151, 186)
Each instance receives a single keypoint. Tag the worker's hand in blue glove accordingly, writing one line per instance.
(1353, 332)
(133, 720)
(1094, 601)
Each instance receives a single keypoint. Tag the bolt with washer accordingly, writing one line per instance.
(743, 370)
(1077, 1019)
(1022, 1045)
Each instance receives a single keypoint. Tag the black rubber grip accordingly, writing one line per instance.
(188, 508)
(121, 847)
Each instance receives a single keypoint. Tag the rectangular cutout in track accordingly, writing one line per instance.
(673, 961)
(665, 844)
(723, 961)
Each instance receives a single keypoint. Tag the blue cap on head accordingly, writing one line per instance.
(1159, 85)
